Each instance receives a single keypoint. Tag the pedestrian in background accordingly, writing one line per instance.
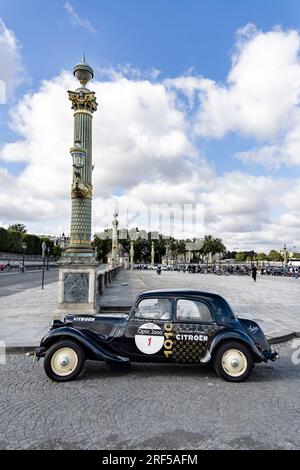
(254, 272)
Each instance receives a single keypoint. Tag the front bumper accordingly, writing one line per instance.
(271, 355)
(40, 352)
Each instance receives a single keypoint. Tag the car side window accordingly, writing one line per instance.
(192, 310)
(154, 309)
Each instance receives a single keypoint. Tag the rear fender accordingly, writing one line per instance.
(96, 351)
(236, 336)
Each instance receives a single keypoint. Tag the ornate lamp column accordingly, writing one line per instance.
(84, 104)
(77, 267)
(115, 241)
(152, 253)
(131, 254)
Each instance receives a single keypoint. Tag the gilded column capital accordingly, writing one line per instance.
(83, 99)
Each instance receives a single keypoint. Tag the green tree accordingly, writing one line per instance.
(15, 241)
(241, 256)
(57, 251)
(4, 239)
(17, 228)
(275, 256)
(212, 245)
(102, 247)
(33, 243)
(261, 257)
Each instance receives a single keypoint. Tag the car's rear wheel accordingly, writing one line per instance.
(233, 362)
(64, 361)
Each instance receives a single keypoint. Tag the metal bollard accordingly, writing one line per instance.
(100, 284)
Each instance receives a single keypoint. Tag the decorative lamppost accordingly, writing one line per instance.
(44, 247)
(48, 256)
(152, 253)
(77, 266)
(131, 254)
(24, 248)
(285, 254)
(115, 241)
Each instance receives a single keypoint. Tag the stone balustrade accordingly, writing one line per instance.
(105, 275)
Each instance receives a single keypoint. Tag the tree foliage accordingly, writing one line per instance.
(4, 239)
(17, 228)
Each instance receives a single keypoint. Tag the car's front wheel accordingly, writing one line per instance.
(233, 362)
(64, 361)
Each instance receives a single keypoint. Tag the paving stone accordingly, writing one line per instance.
(150, 406)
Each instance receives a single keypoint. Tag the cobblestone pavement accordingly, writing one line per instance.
(150, 407)
(273, 302)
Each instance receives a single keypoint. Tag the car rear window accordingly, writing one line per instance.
(187, 309)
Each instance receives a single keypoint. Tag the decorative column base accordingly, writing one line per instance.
(76, 286)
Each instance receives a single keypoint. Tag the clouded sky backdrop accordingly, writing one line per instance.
(198, 103)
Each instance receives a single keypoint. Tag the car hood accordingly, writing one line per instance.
(101, 324)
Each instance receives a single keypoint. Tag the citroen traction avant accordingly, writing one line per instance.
(163, 326)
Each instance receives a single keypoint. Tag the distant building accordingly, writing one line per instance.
(62, 241)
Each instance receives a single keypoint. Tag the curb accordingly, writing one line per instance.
(20, 349)
(283, 338)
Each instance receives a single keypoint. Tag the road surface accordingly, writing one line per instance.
(11, 283)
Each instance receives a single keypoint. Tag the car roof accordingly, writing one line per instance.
(178, 293)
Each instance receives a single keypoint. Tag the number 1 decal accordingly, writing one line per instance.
(149, 341)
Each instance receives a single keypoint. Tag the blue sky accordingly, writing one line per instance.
(172, 36)
(180, 38)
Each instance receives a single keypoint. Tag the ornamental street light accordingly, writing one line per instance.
(48, 255)
(78, 266)
(285, 254)
(78, 155)
(84, 105)
(24, 248)
(44, 246)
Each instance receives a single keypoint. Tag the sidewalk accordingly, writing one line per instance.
(25, 317)
(273, 302)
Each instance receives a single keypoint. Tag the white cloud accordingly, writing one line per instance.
(144, 135)
(131, 144)
(77, 20)
(262, 87)
(11, 71)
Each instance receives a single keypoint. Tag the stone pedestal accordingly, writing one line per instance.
(77, 286)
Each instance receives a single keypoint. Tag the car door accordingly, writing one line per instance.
(194, 325)
(144, 337)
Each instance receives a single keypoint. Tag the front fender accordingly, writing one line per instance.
(237, 336)
(95, 350)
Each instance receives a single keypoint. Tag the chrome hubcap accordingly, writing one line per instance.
(64, 361)
(234, 362)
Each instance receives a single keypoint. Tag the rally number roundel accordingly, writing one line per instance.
(149, 338)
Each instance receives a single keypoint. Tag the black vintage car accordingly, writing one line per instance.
(170, 326)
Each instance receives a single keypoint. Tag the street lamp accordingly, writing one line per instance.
(24, 248)
(44, 246)
(285, 254)
(78, 155)
(48, 254)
